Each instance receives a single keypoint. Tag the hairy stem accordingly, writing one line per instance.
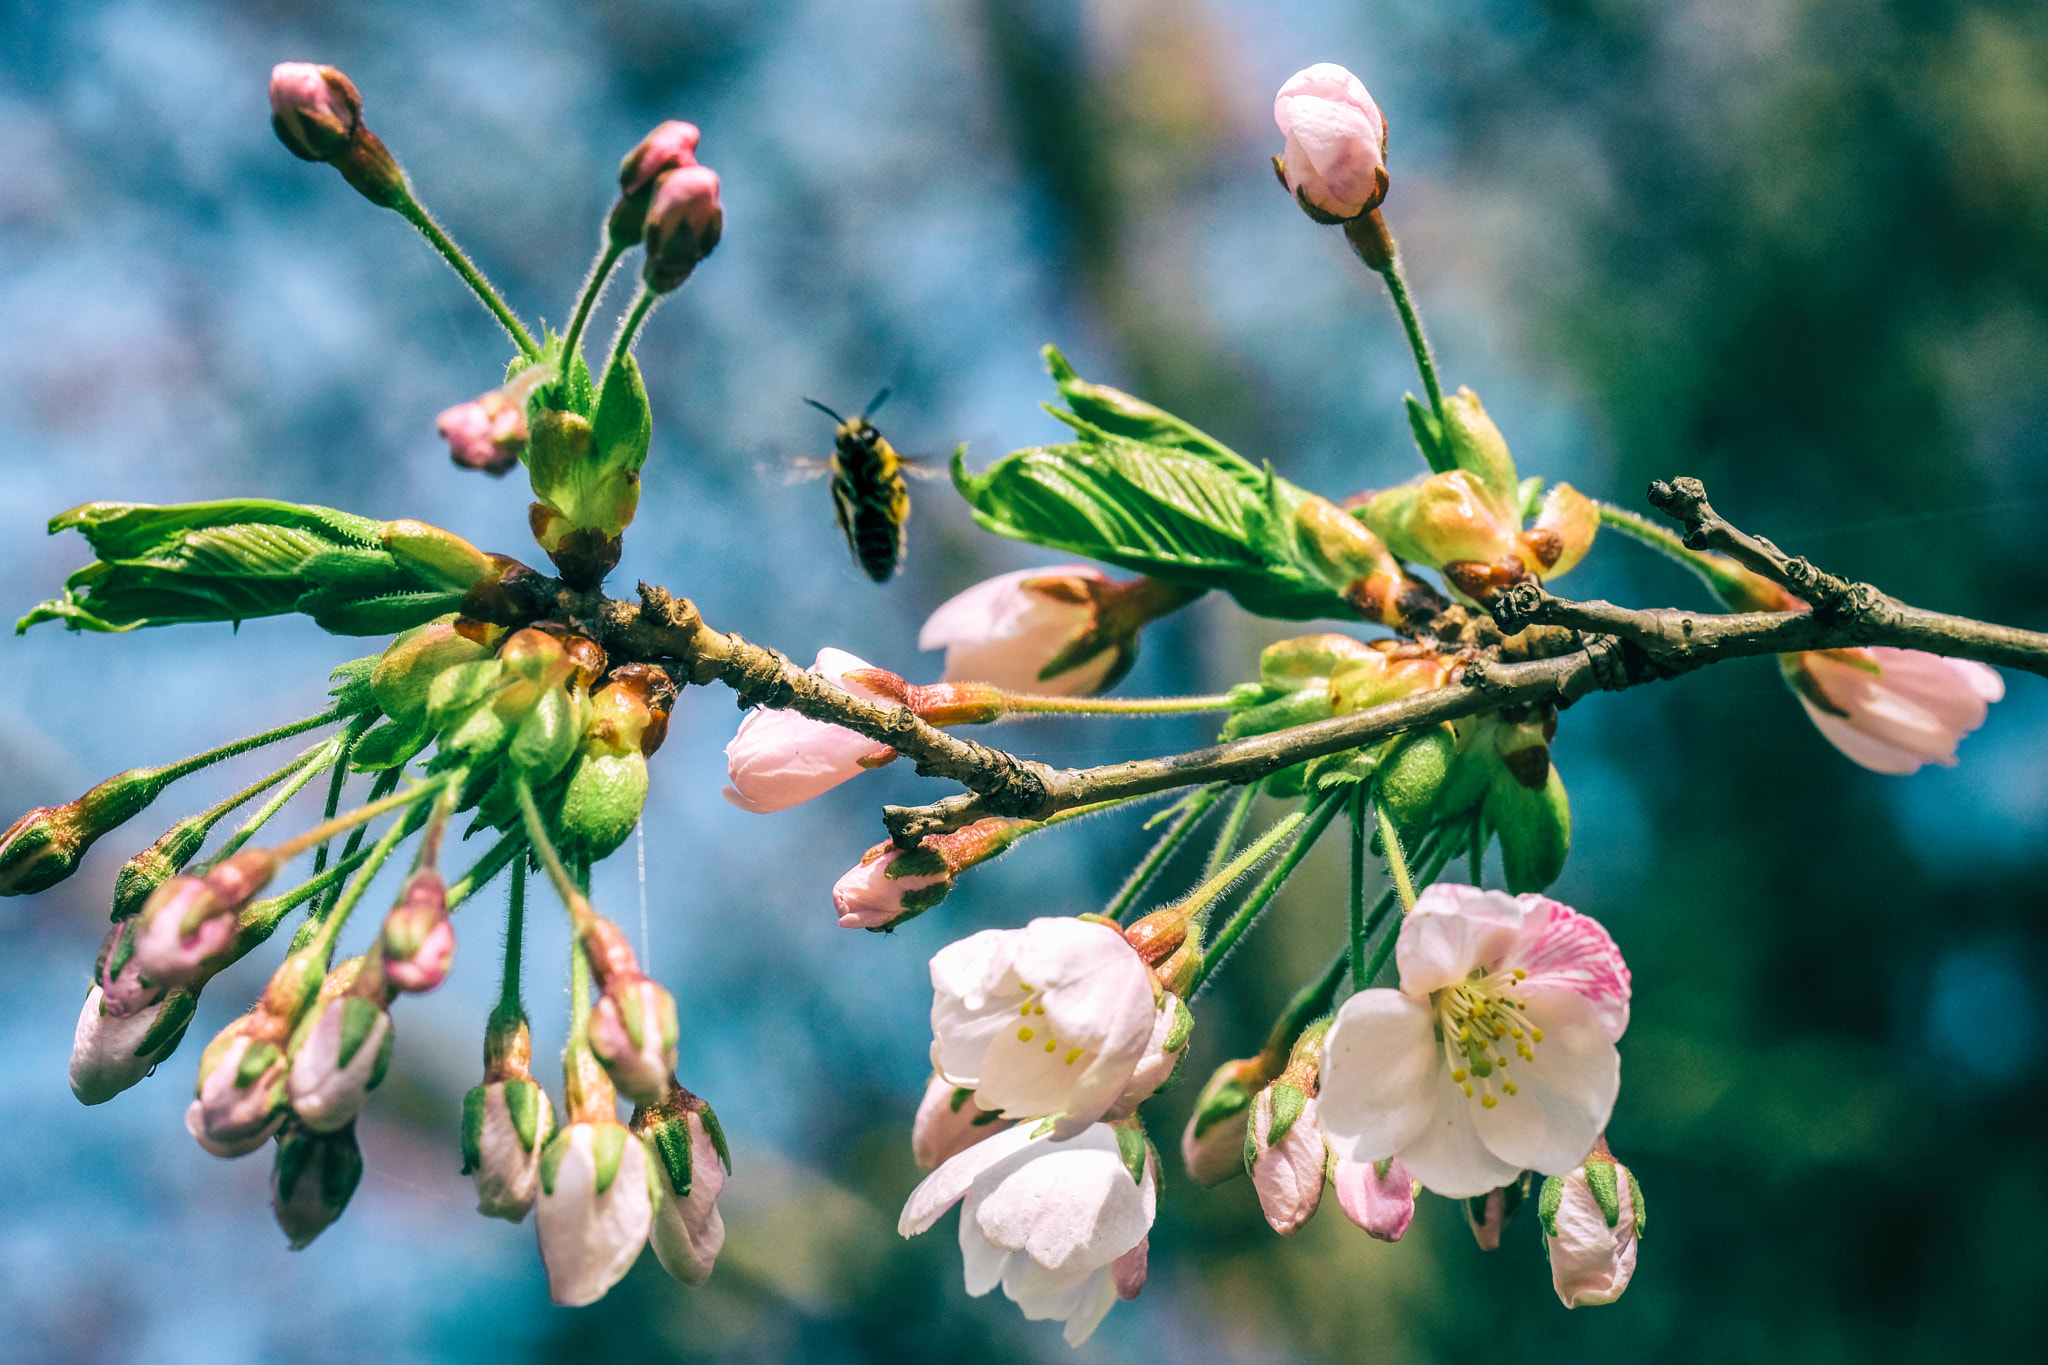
(1411, 322)
(1233, 826)
(417, 215)
(593, 288)
(1192, 810)
(1234, 928)
(1397, 862)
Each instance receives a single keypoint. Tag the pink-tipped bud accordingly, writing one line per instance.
(1335, 161)
(1285, 1153)
(1892, 710)
(1006, 630)
(240, 1100)
(419, 938)
(634, 1033)
(184, 931)
(1592, 1220)
(690, 1164)
(780, 759)
(888, 885)
(684, 221)
(670, 147)
(489, 433)
(342, 1058)
(1377, 1196)
(949, 1122)
(315, 109)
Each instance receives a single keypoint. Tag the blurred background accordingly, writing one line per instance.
(1796, 247)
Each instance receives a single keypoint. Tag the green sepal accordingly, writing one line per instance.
(916, 902)
(474, 1106)
(581, 393)
(1548, 1202)
(1635, 1196)
(1288, 1102)
(717, 1136)
(475, 734)
(523, 1103)
(922, 862)
(1227, 1101)
(1602, 1179)
(171, 1022)
(1181, 1029)
(1046, 1125)
(672, 1144)
(382, 1066)
(1130, 1145)
(1535, 829)
(1529, 497)
(961, 1094)
(255, 1061)
(623, 426)
(607, 1148)
(140, 876)
(389, 744)
(1476, 446)
(1429, 434)
(351, 691)
(455, 690)
(551, 1159)
(358, 1017)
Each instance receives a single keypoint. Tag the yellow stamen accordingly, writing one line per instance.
(1487, 1101)
(1023, 1035)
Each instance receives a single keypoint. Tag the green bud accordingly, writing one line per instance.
(146, 871)
(314, 1177)
(44, 846)
(438, 555)
(1535, 829)
(1410, 777)
(389, 744)
(405, 673)
(546, 737)
(1477, 447)
(453, 691)
(603, 801)
(477, 733)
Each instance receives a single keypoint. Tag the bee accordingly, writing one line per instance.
(869, 497)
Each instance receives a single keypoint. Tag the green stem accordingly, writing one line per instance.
(262, 917)
(1197, 903)
(1018, 703)
(1234, 929)
(330, 928)
(1356, 954)
(487, 867)
(1475, 854)
(550, 861)
(309, 765)
(1397, 862)
(643, 304)
(600, 272)
(1310, 1003)
(1386, 949)
(1721, 576)
(1411, 321)
(1192, 810)
(186, 767)
(327, 829)
(1232, 827)
(515, 925)
(413, 213)
(349, 739)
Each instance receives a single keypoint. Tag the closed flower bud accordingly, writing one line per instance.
(889, 886)
(405, 672)
(1335, 161)
(1008, 629)
(684, 221)
(315, 110)
(1592, 1219)
(690, 1163)
(187, 927)
(109, 1053)
(419, 938)
(1173, 1027)
(1212, 1146)
(1127, 1271)
(633, 1031)
(241, 1089)
(1892, 710)
(43, 847)
(1376, 1195)
(489, 433)
(1284, 1152)
(1487, 1214)
(779, 758)
(949, 1122)
(597, 1196)
(312, 1180)
(670, 147)
(123, 988)
(505, 1126)
(342, 1056)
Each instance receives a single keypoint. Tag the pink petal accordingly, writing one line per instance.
(1289, 1175)
(1563, 950)
(1591, 1263)
(1567, 1093)
(1382, 1205)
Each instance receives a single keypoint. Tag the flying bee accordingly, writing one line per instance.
(869, 497)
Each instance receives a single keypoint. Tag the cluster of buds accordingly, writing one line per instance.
(669, 202)
(1466, 519)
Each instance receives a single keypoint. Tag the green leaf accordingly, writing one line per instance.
(338, 613)
(1116, 413)
(123, 531)
(1429, 434)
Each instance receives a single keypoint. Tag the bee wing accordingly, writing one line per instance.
(796, 469)
(921, 467)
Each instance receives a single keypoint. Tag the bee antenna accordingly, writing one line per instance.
(875, 403)
(822, 408)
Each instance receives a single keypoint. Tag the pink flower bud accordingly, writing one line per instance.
(1005, 630)
(1381, 1202)
(124, 991)
(948, 1123)
(1287, 1162)
(1127, 1271)
(1592, 1219)
(881, 889)
(781, 759)
(183, 931)
(634, 1033)
(342, 1058)
(684, 221)
(109, 1053)
(690, 1165)
(1892, 710)
(241, 1091)
(485, 433)
(596, 1207)
(1335, 161)
(312, 1180)
(670, 147)
(419, 939)
(314, 109)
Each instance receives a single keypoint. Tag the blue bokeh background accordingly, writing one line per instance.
(1794, 247)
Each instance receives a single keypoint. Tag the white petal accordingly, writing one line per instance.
(1380, 1065)
(944, 1187)
(1073, 1207)
(1561, 949)
(1452, 930)
(1448, 1156)
(981, 1261)
(1567, 1093)
(1289, 1175)
(588, 1241)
